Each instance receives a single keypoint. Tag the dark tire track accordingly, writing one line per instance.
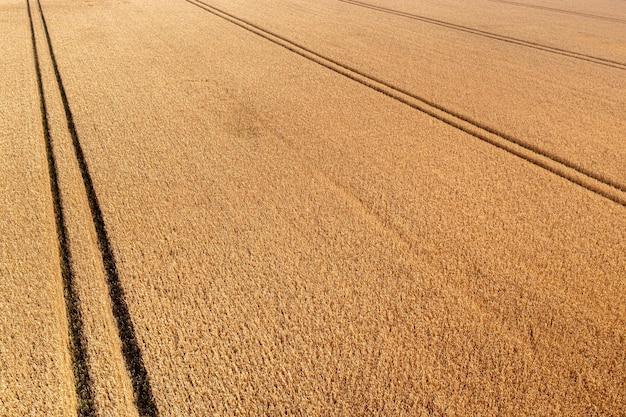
(495, 36)
(591, 181)
(142, 390)
(553, 9)
(77, 340)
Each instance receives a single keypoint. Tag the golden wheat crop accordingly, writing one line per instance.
(320, 208)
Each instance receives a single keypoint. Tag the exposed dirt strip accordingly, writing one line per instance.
(553, 9)
(144, 399)
(572, 172)
(77, 340)
(110, 385)
(478, 32)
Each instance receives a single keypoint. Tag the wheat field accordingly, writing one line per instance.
(312, 208)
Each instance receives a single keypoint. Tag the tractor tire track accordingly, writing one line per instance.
(142, 390)
(553, 9)
(77, 340)
(495, 36)
(591, 181)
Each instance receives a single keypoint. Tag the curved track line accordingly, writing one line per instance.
(490, 35)
(595, 183)
(142, 390)
(77, 340)
(553, 9)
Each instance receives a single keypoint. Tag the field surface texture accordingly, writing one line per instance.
(312, 208)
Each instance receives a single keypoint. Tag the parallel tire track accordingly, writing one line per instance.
(553, 9)
(142, 390)
(490, 35)
(591, 181)
(77, 341)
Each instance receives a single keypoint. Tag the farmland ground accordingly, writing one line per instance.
(35, 365)
(265, 218)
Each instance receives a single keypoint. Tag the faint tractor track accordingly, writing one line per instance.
(142, 390)
(553, 9)
(572, 172)
(490, 35)
(77, 340)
